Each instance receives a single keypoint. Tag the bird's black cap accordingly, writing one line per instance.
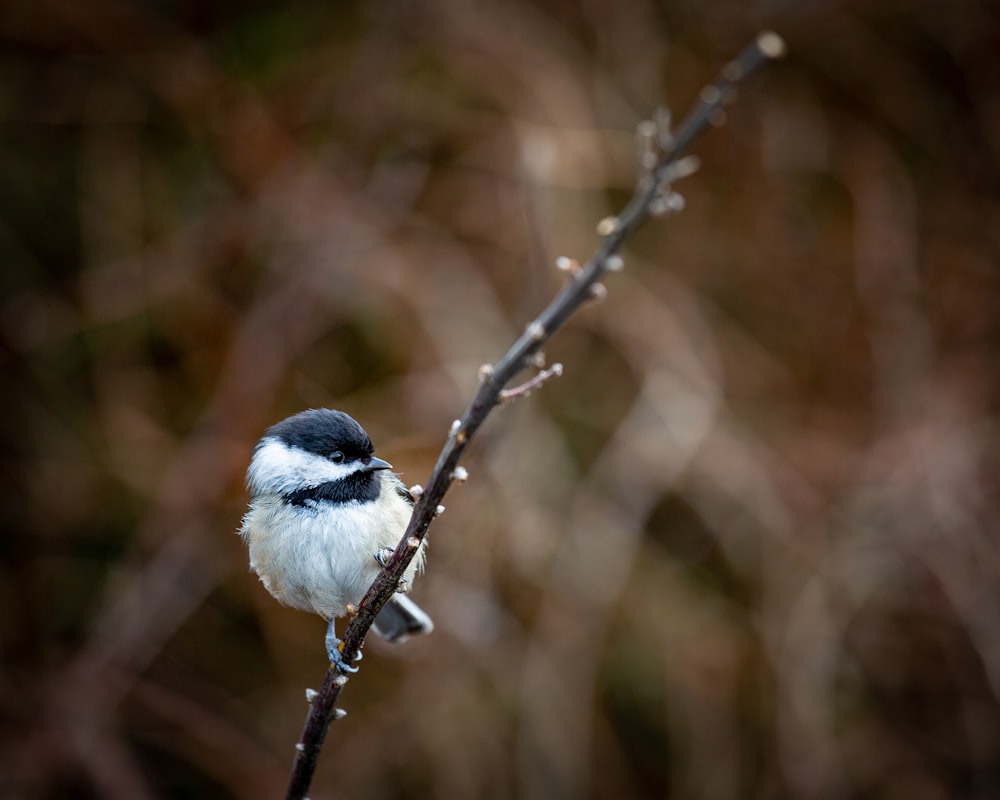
(323, 431)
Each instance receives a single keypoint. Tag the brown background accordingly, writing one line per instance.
(744, 548)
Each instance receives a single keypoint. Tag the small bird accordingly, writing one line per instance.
(323, 518)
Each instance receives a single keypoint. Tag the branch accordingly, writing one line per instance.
(660, 152)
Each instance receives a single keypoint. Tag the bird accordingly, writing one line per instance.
(323, 518)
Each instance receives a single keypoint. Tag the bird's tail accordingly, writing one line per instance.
(400, 619)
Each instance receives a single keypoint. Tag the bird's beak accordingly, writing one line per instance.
(377, 463)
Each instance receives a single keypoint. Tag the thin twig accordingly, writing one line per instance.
(526, 388)
(660, 163)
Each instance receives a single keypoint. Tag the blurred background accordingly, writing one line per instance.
(744, 548)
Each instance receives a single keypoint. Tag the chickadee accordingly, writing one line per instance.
(324, 516)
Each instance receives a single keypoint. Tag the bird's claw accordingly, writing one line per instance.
(335, 652)
(337, 661)
(382, 557)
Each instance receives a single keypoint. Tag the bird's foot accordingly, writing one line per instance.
(382, 557)
(335, 652)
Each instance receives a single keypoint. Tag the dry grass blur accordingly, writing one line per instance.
(744, 548)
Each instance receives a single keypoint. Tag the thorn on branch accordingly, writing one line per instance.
(646, 144)
(607, 226)
(683, 167)
(667, 203)
(485, 372)
(710, 95)
(416, 491)
(770, 44)
(311, 695)
(460, 474)
(598, 292)
(456, 431)
(568, 265)
(654, 142)
(526, 388)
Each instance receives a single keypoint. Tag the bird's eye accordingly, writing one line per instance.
(336, 457)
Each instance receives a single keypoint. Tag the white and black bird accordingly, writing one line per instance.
(324, 515)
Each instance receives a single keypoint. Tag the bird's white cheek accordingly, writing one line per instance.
(281, 469)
